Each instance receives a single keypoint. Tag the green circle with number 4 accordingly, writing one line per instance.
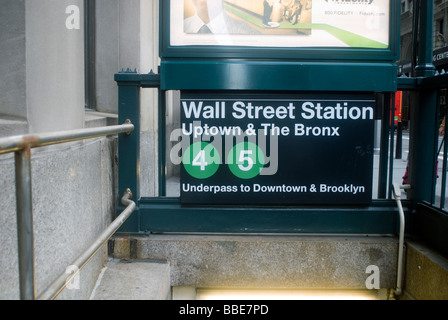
(246, 160)
(201, 160)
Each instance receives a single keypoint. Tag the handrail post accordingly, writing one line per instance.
(129, 146)
(25, 223)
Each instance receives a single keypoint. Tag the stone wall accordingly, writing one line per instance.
(73, 202)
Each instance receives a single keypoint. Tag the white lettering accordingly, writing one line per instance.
(249, 111)
(280, 188)
(342, 189)
(207, 311)
(216, 111)
(301, 130)
(340, 112)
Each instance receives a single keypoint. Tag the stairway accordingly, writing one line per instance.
(149, 267)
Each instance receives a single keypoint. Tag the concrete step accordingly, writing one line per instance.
(124, 279)
(181, 267)
(264, 261)
(426, 273)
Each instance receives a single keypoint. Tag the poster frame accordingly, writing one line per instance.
(167, 50)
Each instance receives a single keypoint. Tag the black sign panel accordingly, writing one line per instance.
(440, 56)
(275, 149)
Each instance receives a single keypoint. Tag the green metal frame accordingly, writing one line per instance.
(162, 214)
(168, 215)
(229, 69)
(288, 69)
(285, 75)
(245, 69)
(430, 223)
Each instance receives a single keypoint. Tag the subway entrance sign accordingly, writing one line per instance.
(277, 149)
(274, 127)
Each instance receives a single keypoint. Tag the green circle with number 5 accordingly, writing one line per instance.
(246, 160)
(201, 160)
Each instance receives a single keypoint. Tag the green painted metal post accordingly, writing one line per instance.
(391, 100)
(384, 148)
(162, 143)
(129, 145)
(424, 67)
(423, 120)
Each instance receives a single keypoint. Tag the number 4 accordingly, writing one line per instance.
(199, 160)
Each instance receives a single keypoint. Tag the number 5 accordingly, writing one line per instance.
(244, 157)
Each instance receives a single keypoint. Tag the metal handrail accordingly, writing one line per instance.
(396, 188)
(21, 145)
(57, 286)
(17, 143)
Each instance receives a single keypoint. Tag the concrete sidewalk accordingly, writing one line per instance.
(399, 168)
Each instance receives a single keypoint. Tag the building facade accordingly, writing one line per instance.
(407, 59)
(57, 65)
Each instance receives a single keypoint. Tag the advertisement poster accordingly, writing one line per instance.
(276, 149)
(281, 23)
